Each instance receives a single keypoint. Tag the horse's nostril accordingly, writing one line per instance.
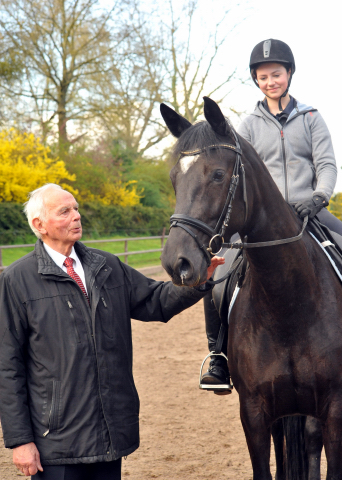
(184, 268)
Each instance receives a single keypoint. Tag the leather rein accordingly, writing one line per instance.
(217, 233)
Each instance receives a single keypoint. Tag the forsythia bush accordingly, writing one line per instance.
(25, 165)
(119, 193)
(122, 194)
(335, 205)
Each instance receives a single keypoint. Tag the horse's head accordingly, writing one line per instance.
(207, 155)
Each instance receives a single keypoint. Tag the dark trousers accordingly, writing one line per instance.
(330, 221)
(81, 471)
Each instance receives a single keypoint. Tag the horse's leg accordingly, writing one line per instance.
(278, 441)
(314, 445)
(258, 436)
(332, 440)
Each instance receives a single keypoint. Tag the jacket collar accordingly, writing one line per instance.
(47, 266)
(299, 109)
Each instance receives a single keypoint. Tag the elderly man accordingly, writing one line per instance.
(67, 395)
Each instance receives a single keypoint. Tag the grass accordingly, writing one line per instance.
(10, 255)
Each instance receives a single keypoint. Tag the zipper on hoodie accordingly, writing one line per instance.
(285, 167)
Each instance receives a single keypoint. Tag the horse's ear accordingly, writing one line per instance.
(215, 117)
(174, 122)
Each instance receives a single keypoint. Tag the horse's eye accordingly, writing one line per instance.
(218, 175)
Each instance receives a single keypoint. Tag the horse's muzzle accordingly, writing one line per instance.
(182, 271)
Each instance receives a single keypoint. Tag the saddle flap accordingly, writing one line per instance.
(220, 299)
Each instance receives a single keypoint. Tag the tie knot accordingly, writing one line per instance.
(68, 262)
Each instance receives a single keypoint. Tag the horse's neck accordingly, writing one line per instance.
(277, 270)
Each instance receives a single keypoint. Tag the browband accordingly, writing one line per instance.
(227, 146)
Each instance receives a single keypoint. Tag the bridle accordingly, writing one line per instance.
(217, 233)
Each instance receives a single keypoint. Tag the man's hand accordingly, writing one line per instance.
(27, 459)
(215, 262)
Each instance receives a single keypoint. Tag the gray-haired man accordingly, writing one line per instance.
(67, 395)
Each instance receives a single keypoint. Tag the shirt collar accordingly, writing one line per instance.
(287, 110)
(59, 258)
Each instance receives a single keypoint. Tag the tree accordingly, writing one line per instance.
(62, 43)
(192, 54)
(162, 60)
(108, 69)
(125, 98)
(25, 164)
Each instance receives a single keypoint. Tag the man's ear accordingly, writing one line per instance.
(38, 225)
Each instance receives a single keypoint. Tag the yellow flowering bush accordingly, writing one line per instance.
(120, 193)
(25, 165)
(335, 205)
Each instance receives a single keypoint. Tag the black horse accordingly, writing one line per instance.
(285, 329)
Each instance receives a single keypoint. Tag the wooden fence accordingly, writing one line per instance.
(124, 254)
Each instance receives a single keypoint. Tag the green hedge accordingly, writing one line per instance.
(97, 220)
(14, 228)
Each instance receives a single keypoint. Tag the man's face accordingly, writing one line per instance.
(62, 222)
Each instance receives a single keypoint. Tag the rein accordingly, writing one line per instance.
(184, 221)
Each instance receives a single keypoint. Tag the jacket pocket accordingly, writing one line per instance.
(71, 310)
(105, 314)
(53, 407)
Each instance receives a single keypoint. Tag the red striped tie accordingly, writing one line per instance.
(68, 262)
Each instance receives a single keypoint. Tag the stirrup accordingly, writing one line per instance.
(220, 387)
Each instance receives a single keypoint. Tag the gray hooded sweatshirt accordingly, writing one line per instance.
(298, 155)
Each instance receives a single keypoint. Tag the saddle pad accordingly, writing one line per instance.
(333, 264)
(234, 297)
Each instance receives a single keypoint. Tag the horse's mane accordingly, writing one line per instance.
(199, 135)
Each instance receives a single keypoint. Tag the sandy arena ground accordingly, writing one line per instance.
(186, 433)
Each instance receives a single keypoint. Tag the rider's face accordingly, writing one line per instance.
(273, 79)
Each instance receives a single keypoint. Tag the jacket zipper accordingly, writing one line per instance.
(74, 320)
(54, 405)
(285, 167)
(95, 353)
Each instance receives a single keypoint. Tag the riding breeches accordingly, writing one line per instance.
(212, 323)
(330, 221)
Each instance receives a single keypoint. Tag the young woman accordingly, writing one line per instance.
(294, 142)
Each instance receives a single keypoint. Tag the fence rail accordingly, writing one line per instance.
(125, 254)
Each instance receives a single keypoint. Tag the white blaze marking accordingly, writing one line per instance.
(186, 162)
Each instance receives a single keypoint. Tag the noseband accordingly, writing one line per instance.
(217, 233)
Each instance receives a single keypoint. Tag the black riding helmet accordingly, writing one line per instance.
(272, 51)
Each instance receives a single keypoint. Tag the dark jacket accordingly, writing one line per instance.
(66, 378)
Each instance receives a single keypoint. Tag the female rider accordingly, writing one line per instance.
(294, 142)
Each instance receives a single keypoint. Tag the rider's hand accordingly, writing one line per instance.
(27, 459)
(311, 206)
(215, 262)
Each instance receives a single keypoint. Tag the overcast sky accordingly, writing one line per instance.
(313, 31)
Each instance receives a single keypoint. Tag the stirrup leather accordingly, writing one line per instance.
(224, 387)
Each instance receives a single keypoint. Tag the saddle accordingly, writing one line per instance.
(222, 293)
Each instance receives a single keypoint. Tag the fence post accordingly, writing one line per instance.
(163, 238)
(126, 250)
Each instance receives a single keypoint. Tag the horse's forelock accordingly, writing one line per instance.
(199, 135)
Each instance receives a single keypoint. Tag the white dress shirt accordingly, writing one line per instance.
(59, 259)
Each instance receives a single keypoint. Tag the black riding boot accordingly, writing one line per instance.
(218, 373)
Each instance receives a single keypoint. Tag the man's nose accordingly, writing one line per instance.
(77, 215)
